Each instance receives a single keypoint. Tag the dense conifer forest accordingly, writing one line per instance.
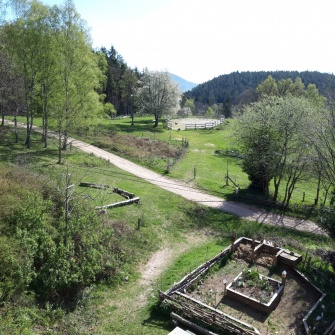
(240, 86)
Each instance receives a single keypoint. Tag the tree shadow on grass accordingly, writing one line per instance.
(242, 309)
(126, 126)
(159, 318)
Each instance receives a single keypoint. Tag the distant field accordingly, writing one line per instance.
(199, 165)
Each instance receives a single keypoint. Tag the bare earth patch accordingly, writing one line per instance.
(164, 257)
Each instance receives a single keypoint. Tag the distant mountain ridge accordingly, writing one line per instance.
(184, 85)
(232, 86)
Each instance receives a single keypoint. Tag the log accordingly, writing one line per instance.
(191, 324)
(330, 330)
(92, 185)
(220, 313)
(124, 193)
(121, 203)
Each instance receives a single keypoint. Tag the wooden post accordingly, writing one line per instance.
(227, 175)
(253, 254)
(309, 262)
(195, 172)
(305, 260)
(274, 259)
(303, 196)
(139, 223)
(233, 239)
(283, 278)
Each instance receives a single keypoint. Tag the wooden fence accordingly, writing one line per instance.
(191, 308)
(189, 126)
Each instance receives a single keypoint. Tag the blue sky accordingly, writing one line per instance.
(199, 40)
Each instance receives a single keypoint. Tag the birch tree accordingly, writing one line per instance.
(25, 41)
(78, 74)
(158, 95)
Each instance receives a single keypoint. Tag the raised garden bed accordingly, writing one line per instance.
(201, 297)
(255, 290)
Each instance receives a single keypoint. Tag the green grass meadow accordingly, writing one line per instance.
(117, 306)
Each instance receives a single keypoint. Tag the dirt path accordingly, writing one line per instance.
(184, 190)
(187, 192)
(165, 256)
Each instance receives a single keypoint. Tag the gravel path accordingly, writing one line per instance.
(187, 192)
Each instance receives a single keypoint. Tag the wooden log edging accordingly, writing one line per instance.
(211, 316)
(191, 324)
(194, 309)
(123, 193)
(227, 316)
(190, 278)
(304, 320)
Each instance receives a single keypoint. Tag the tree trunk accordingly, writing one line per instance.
(132, 118)
(15, 130)
(45, 131)
(156, 120)
(59, 148)
(64, 146)
(316, 200)
(28, 138)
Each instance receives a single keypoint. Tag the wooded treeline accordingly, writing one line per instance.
(240, 87)
(50, 70)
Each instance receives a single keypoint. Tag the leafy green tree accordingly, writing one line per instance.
(25, 40)
(109, 109)
(285, 86)
(326, 220)
(54, 260)
(298, 88)
(209, 112)
(294, 117)
(268, 87)
(259, 141)
(158, 95)
(16, 268)
(313, 95)
(79, 74)
(227, 107)
(273, 133)
(11, 87)
(190, 104)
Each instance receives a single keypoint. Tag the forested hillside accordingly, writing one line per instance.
(238, 86)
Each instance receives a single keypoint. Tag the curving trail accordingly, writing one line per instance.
(187, 192)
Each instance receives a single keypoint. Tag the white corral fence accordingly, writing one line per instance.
(193, 123)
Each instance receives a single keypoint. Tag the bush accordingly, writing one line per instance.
(326, 219)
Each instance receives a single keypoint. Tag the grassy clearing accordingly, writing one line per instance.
(197, 165)
(115, 307)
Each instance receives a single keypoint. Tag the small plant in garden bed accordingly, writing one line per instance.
(255, 285)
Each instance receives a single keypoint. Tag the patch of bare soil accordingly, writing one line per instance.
(162, 258)
(141, 147)
(285, 319)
